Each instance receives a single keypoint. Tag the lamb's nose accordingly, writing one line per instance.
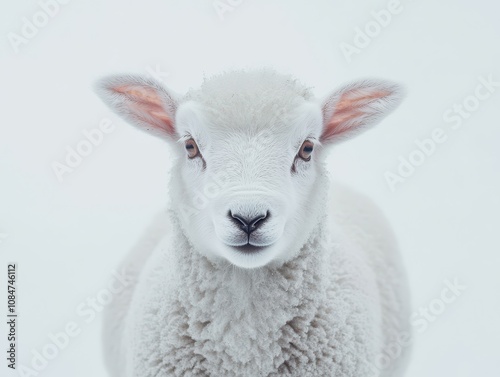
(247, 224)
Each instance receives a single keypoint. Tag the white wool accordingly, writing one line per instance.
(329, 312)
(330, 302)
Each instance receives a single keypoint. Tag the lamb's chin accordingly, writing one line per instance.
(249, 256)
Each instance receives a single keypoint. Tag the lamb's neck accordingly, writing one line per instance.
(263, 298)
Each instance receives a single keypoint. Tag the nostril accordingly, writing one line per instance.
(239, 221)
(259, 220)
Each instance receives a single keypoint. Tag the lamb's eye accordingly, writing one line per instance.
(306, 150)
(191, 148)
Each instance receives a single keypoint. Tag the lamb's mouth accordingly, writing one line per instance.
(249, 248)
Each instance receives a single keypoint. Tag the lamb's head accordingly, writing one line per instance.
(249, 184)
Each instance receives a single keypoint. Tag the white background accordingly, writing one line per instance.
(68, 236)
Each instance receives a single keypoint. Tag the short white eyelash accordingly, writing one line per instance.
(185, 138)
(315, 141)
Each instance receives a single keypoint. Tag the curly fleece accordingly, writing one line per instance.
(332, 311)
(337, 307)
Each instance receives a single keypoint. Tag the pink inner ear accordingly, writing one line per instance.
(147, 105)
(355, 98)
(350, 111)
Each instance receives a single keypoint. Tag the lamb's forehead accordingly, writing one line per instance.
(250, 100)
(251, 83)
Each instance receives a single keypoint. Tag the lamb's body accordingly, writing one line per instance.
(331, 311)
(249, 284)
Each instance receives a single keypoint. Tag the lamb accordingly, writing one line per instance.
(257, 267)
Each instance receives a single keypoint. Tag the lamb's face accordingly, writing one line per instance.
(248, 184)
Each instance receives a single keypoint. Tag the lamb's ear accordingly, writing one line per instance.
(356, 107)
(141, 101)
